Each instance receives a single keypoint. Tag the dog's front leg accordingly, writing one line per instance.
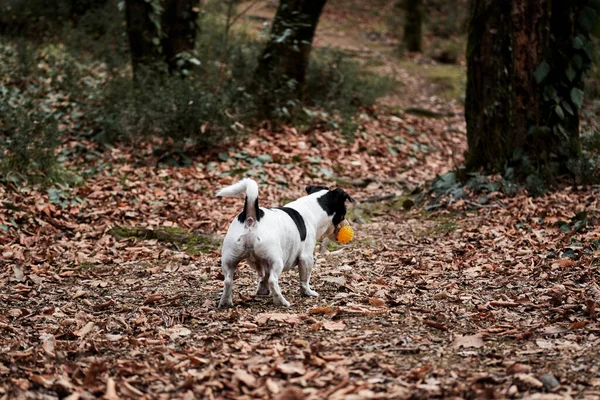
(305, 265)
(228, 267)
(274, 273)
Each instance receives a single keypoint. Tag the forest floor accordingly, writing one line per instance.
(109, 289)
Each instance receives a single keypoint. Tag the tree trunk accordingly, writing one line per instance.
(144, 30)
(179, 22)
(284, 61)
(413, 21)
(519, 105)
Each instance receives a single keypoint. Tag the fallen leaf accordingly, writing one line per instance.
(376, 302)
(330, 312)
(436, 325)
(334, 325)
(475, 341)
(153, 299)
(19, 275)
(291, 368)
(518, 368)
(565, 262)
(272, 386)
(48, 343)
(245, 377)
(578, 324)
(111, 390)
(85, 330)
(261, 319)
(291, 393)
(529, 380)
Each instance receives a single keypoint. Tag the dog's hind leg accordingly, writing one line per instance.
(229, 265)
(274, 273)
(305, 265)
(263, 281)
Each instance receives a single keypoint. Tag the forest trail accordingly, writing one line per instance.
(110, 288)
(361, 32)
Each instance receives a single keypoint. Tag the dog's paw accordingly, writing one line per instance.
(263, 292)
(225, 303)
(309, 292)
(281, 302)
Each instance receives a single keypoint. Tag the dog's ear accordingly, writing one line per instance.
(342, 193)
(315, 188)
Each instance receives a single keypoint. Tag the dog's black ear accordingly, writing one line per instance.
(342, 193)
(315, 188)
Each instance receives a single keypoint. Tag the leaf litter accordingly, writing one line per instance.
(460, 300)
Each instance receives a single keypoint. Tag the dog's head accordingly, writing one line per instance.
(333, 202)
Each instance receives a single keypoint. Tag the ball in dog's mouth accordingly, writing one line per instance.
(345, 234)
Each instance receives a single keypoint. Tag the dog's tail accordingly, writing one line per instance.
(251, 211)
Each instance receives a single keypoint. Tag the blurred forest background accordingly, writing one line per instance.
(190, 77)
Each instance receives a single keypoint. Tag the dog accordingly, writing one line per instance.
(273, 240)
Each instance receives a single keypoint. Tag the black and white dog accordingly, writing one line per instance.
(277, 239)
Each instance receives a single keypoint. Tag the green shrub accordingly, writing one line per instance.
(28, 142)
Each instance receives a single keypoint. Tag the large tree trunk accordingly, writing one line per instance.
(179, 22)
(517, 110)
(287, 52)
(144, 30)
(413, 21)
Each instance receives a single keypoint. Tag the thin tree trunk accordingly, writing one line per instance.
(287, 53)
(413, 22)
(144, 31)
(179, 22)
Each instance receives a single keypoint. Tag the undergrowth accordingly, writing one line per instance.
(77, 74)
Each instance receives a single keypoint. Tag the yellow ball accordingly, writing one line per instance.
(345, 234)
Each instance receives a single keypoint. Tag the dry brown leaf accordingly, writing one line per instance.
(334, 325)
(578, 324)
(376, 302)
(153, 299)
(330, 312)
(291, 368)
(565, 262)
(436, 325)
(245, 377)
(261, 319)
(475, 341)
(518, 368)
(272, 386)
(48, 343)
(85, 330)
(111, 390)
(291, 393)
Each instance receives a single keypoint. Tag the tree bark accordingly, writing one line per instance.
(413, 22)
(287, 52)
(179, 22)
(144, 31)
(511, 115)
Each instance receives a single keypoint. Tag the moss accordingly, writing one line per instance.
(192, 243)
(443, 224)
(449, 80)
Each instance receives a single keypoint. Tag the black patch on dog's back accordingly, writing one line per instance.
(298, 220)
(334, 203)
(259, 213)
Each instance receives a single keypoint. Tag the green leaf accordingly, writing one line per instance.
(550, 93)
(541, 71)
(567, 107)
(578, 42)
(587, 18)
(571, 73)
(577, 97)
(559, 112)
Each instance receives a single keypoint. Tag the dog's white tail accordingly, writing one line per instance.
(251, 211)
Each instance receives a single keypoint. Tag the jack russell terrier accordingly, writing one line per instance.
(273, 240)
